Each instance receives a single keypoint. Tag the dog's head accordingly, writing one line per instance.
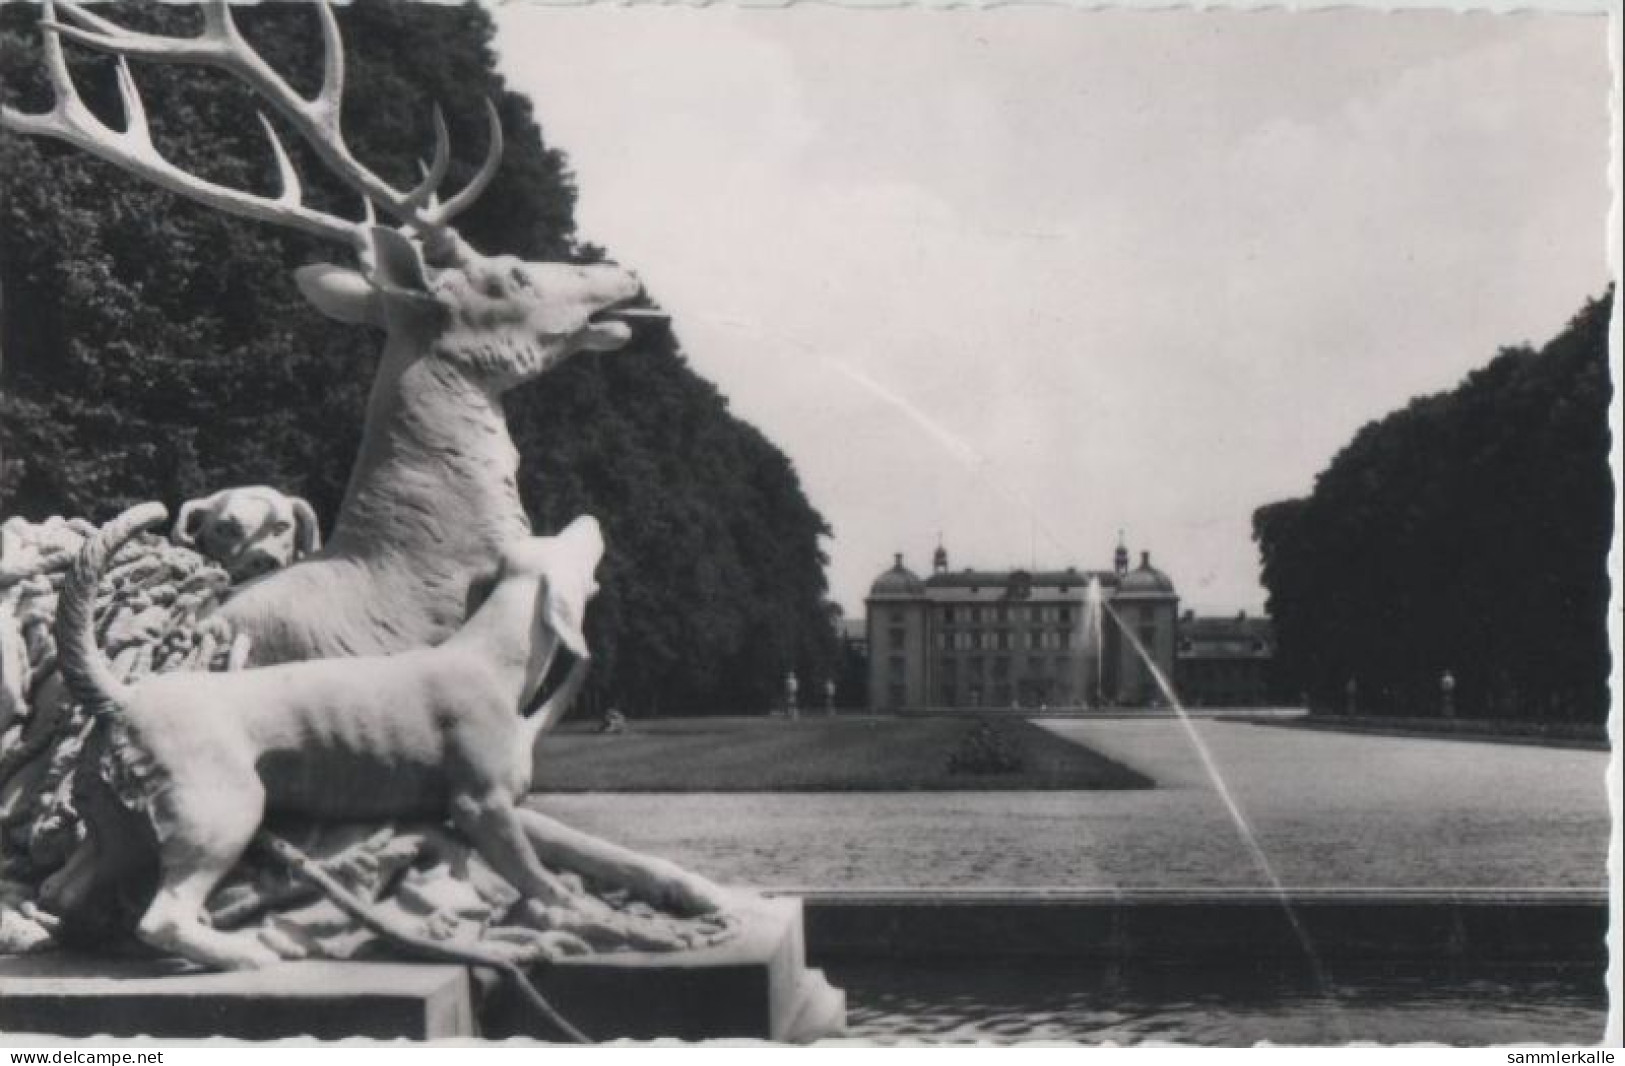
(563, 566)
(249, 531)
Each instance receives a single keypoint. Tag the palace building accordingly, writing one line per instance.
(1226, 661)
(1032, 639)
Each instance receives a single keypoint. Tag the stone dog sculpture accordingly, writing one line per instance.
(432, 500)
(250, 531)
(422, 733)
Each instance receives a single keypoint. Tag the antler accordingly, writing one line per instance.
(317, 119)
(70, 120)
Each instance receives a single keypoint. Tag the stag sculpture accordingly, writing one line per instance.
(432, 496)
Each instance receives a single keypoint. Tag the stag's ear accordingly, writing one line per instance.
(338, 293)
(397, 262)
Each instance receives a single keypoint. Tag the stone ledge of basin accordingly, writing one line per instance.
(1110, 714)
(1486, 730)
(1520, 896)
(1189, 926)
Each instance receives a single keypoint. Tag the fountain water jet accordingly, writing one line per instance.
(1243, 826)
(1094, 641)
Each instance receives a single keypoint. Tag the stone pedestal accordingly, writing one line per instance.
(755, 985)
(84, 995)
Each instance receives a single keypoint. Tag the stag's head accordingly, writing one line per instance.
(500, 319)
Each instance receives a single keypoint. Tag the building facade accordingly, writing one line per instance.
(1226, 661)
(1023, 639)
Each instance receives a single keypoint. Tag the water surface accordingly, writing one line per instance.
(1005, 1002)
(1328, 810)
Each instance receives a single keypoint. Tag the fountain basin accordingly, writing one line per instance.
(1209, 967)
(1466, 967)
(1147, 926)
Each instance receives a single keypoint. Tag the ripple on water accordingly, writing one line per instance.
(961, 1003)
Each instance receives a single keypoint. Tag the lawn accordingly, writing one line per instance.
(818, 754)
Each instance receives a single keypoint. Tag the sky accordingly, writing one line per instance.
(1022, 278)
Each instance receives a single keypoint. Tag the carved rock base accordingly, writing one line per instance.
(756, 984)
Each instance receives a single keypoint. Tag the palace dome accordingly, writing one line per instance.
(898, 581)
(1145, 579)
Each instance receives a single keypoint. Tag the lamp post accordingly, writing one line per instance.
(1351, 697)
(1447, 694)
(829, 696)
(790, 687)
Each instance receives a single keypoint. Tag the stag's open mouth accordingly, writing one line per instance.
(630, 315)
(612, 326)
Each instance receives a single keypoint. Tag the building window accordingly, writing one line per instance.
(942, 641)
(948, 616)
(895, 617)
(975, 613)
(897, 694)
(897, 638)
(1065, 637)
(1001, 666)
(898, 667)
(1065, 614)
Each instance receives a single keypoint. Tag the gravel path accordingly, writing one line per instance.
(1327, 810)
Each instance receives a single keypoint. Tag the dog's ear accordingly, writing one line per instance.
(191, 516)
(307, 535)
(570, 584)
(565, 610)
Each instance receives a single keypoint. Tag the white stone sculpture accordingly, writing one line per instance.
(250, 531)
(432, 496)
(430, 508)
(427, 733)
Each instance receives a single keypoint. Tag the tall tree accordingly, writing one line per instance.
(1467, 533)
(156, 349)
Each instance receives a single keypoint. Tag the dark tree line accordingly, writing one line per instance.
(1468, 533)
(153, 349)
